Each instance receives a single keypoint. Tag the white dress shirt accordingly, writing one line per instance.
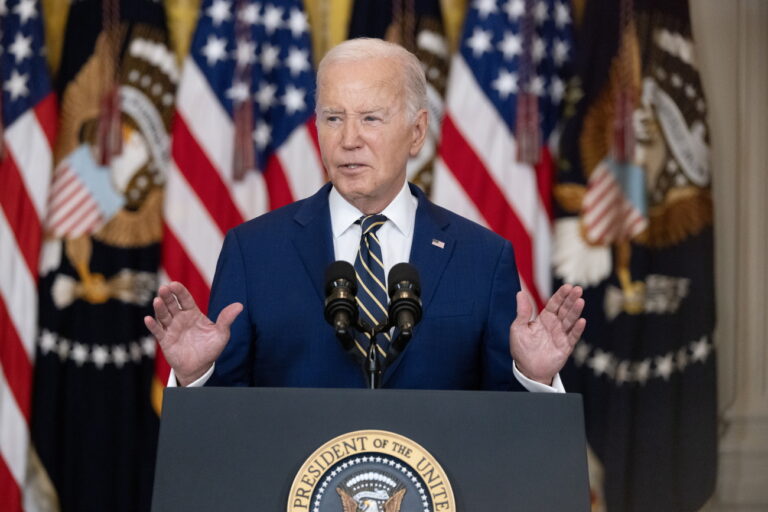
(395, 237)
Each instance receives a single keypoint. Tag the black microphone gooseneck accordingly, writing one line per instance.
(404, 305)
(340, 306)
(341, 312)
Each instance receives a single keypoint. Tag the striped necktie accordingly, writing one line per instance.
(372, 285)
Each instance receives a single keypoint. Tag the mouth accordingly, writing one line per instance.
(351, 166)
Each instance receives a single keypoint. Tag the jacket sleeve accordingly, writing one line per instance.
(230, 284)
(502, 307)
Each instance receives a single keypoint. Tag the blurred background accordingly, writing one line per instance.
(619, 144)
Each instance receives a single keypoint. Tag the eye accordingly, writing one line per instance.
(371, 119)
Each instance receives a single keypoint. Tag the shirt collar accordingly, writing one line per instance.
(401, 212)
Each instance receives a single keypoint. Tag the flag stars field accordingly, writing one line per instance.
(17, 85)
(539, 49)
(273, 18)
(270, 57)
(219, 12)
(511, 46)
(249, 14)
(265, 96)
(245, 54)
(514, 9)
(261, 135)
(541, 12)
(484, 7)
(560, 52)
(297, 61)
(562, 15)
(505, 84)
(215, 50)
(297, 23)
(238, 92)
(26, 10)
(21, 47)
(480, 42)
(557, 90)
(294, 100)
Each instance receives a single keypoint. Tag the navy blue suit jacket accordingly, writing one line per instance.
(275, 264)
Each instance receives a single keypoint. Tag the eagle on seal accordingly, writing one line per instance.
(349, 503)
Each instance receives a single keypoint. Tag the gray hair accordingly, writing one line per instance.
(369, 48)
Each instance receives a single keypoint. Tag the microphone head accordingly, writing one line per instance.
(340, 270)
(403, 272)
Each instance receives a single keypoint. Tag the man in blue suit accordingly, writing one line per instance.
(267, 296)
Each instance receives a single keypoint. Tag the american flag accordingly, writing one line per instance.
(249, 72)
(28, 126)
(508, 47)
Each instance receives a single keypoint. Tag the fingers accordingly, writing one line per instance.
(228, 315)
(566, 305)
(578, 329)
(570, 316)
(169, 300)
(569, 301)
(155, 328)
(183, 296)
(558, 298)
(524, 309)
(172, 299)
(161, 312)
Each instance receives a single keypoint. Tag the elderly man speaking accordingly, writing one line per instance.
(478, 330)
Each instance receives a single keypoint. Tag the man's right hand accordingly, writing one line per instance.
(189, 340)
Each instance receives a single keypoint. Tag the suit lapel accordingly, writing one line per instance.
(431, 250)
(313, 238)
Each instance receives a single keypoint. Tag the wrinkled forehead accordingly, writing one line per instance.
(359, 85)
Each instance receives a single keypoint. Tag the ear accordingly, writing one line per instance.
(419, 131)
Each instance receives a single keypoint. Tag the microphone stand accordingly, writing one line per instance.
(372, 367)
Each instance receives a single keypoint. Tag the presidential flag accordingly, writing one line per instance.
(504, 93)
(92, 423)
(27, 128)
(634, 228)
(244, 139)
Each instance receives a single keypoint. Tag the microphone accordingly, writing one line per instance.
(404, 304)
(340, 305)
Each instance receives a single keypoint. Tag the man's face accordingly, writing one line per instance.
(366, 134)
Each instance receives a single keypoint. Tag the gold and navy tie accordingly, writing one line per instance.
(372, 285)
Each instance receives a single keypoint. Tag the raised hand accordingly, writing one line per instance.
(189, 340)
(540, 346)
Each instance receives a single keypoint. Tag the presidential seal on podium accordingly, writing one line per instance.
(371, 471)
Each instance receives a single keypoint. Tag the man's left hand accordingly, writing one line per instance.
(540, 346)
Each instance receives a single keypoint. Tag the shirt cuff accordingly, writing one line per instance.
(172, 383)
(538, 387)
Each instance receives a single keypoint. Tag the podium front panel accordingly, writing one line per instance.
(239, 449)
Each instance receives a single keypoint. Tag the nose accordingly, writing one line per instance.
(350, 134)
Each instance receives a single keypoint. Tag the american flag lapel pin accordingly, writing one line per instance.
(438, 243)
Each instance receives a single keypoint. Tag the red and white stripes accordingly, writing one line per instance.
(608, 214)
(478, 176)
(25, 174)
(72, 210)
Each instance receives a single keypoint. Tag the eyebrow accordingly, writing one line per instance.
(375, 110)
